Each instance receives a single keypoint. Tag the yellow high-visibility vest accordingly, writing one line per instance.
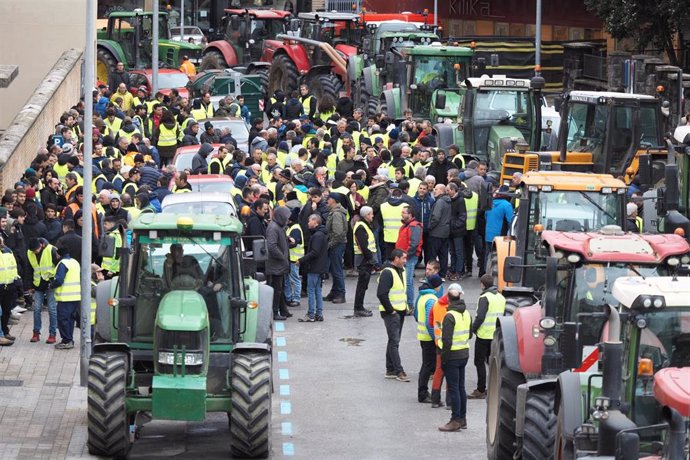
(69, 290)
(414, 186)
(392, 222)
(396, 295)
(167, 137)
(297, 252)
(8, 268)
(471, 206)
(371, 241)
(44, 268)
(497, 306)
(461, 332)
(112, 264)
(422, 332)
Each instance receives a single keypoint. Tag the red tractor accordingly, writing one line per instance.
(246, 32)
(314, 53)
(538, 342)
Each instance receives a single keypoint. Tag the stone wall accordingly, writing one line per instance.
(29, 131)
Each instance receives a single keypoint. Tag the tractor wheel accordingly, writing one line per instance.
(105, 65)
(366, 101)
(108, 424)
(540, 426)
(213, 60)
(563, 448)
(250, 417)
(325, 84)
(513, 303)
(492, 265)
(500, 403)
(381, 105)
(282, 75)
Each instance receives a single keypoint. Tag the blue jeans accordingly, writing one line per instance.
(66, 317)
(457, 254)
(454, 371)
(314, 294)
(293, 284)
(335, 256)
(39, 297)
(409, 279)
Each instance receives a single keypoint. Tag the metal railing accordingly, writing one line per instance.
(344, 6)
(594, 67)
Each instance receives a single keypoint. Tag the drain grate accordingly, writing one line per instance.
(55, 384)
(11, 383)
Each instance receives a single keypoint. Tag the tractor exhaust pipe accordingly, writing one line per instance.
(676, 441)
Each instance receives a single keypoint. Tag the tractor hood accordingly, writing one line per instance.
(182, 311)
(672, 388)
(501, 138)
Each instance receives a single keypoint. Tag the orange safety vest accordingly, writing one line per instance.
(438, 312)
(94, 217)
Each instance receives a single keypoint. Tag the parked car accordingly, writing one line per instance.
(192, 34)
(167, 80)
(215, 203)
(237, 126)
(183, 156)
(208, 183)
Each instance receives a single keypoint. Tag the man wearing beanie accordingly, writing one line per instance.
(455, 351)
(68, 296)
(428, 294)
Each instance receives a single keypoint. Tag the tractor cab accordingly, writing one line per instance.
(246, 30)
(133, 31)
(332, 28)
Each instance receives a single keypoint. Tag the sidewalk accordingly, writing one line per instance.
(42, 406)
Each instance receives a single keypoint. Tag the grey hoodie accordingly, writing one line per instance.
(278, 262)
(199, 162)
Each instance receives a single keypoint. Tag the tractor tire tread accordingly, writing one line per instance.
(539, 432)
(213, 60)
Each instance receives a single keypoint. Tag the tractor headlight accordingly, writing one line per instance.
(574, 258)
(547, 323)
(190, 359)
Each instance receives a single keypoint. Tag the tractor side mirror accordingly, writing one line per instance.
(380, 61)
(106, 246)
(557, 103)
(237, 303)
(512, 271)
(260, 250)
(628, 445)
(440, 101)
(366, 43)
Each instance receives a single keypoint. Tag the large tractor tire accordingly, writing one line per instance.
(513, 303)
(213, 60)
(282, 75)
(108, 424)
(381, 104)
(540, 426)
(325, 84)
(367, 102)
(105, 65)
(262, 72)
(500, 403)
(564, 449)
(250, 417)
(492, 265)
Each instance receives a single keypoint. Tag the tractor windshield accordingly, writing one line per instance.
(174, 264)
(437, 71)
(576, 210)
(509, 106)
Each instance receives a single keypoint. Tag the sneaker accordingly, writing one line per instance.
(5, 342)
(16, 316)
(453, 425)
(279, 317)
(318, 318)
(338, 300)
(10, 337)
(294, 303)
(363, 312)
(476, 394)
(426, 400)
(35, 338)
(19, 309)
(51, 339)
(391, 375)
(307, 319)
(402, 377)
(64, 346)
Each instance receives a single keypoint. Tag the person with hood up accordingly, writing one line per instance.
(337, 228)
(293, 108)
(278, 262)
(199, 161)
(439, 167)
(455, 352)
(190, 133)
(167, 135)
(315, 262)
(439, 228)
(427, 297)
(472, 178)
(210, 134)
(127, 129)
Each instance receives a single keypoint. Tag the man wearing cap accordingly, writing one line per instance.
(393, 306)
(210, 134)
(68, 296)
(455, 351)
(336, 228)
(131, 185)
(428, 295)
(42, 258)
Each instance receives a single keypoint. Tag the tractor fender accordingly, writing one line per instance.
(251, 346)
(258, 65)
(504, 248)
(103, 310)
(392, 98)
(224, 48)
(510, 347)
(269, 49)
(113, 48)
(521, 398)
(318, 70)
(354, 67)
(264, 333)
(114, 347)
(297, 54)
(568, 383)
(530, 349)
(371, 81)
(347, 50)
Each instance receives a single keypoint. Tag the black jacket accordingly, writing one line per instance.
(72, 241)
(385, 285)
(458, 216)
(440, 171)
(293, 109)
(278, 262)
(321, 209)
(316, 258)
(447, 334)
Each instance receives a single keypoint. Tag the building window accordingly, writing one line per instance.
(517, 30)
(502, 29)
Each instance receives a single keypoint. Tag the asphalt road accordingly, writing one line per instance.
(331, 399)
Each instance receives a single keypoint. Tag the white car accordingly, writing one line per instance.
(214, 203)
(192, 34)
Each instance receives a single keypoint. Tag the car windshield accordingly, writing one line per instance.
(184, 161)
(168, 264)
(212, 207)
(511, 106)
(210, 185)
(172, 80)
(576, 210)
(187, 31)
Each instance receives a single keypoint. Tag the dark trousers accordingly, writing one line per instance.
(454, 369)
(439, 249)
(388, 250)
(349, 259)
(427, 369)
(277, 282)
(362, 285)
(426, 249)
(394, 325)
(335, 268)
(67, 315)
(8, 300)
(469, 250)
(482, 350)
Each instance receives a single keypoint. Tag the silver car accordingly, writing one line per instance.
(214, 203)
(192, 34)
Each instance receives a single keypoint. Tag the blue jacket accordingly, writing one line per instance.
(424, 205)
(501, 211)
(429, 305)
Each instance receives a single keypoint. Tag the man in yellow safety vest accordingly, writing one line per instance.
(393, 307)
(68, 296)
(10, 288)
(42, 257)
(428, 295)
(293, 282)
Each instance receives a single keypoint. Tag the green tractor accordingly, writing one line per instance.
(128, 39)
(424, 78)
(182, 331)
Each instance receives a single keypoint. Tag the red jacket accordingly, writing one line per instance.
(405, 236)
